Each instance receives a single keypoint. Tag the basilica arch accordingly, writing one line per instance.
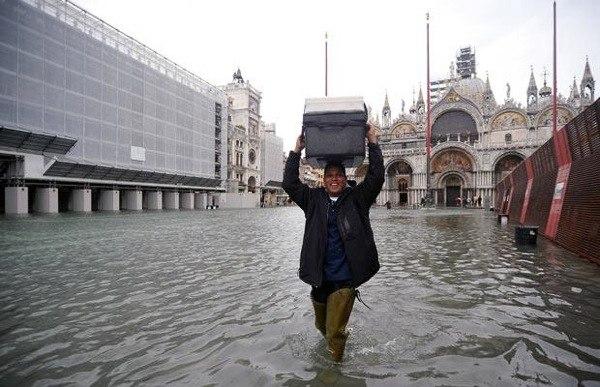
(454, 101)
(453, 175)
(563, 116)
(452, 188)
(505, 164)
(399, 176)
(403, 129)
(454, 124)
(509, 119)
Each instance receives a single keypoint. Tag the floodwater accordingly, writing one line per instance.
(212, 297)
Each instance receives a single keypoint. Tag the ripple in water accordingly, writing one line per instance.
(213, 297)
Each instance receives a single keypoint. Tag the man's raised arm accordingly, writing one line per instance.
(371, 185)
(291, 180)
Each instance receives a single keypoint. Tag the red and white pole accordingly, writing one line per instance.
(428, 130)
(325, 64)
(554, 88)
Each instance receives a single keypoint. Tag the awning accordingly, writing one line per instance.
(36, 142)
(99, 172)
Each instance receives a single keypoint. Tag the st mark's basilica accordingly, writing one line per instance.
(476, 140)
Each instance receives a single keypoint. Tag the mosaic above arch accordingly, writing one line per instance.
(402, 129)
(451, 160)
(509, 120)
(563, 117)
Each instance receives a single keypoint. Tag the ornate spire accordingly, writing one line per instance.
(413, 107)
(420, 99)
(587, 73)
(532, 91)
(574, 91)
(545, 91)
(532, 85)
(386, 113)
(488, 94)
(587, 83)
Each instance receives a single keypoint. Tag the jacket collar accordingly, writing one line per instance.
(342, 196)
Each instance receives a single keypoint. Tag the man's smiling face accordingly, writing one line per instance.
(334, 180)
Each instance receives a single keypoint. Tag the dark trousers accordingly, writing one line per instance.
(320, 294)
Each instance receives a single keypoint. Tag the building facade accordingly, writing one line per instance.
(254, 152)
(84, 104)
(476, 141)
(272, 166)
(243, 147)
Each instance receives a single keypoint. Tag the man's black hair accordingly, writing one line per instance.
(335, 164)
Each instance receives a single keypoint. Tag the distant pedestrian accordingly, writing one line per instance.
(479, 201)
(388, 205)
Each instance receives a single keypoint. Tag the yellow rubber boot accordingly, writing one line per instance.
(339, 307)
(320, 315)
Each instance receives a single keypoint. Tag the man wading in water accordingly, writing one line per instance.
(338, 252)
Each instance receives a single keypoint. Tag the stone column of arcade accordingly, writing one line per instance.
(46, 200)
(154, 200)
(16, 200)
(109, 200)
(133, 200)
(80, 200)
(186, 201)
(200, 200)
(171, 200)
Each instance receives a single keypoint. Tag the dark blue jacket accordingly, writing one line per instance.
(353, 222)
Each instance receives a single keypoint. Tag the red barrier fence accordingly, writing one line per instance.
(558, 187)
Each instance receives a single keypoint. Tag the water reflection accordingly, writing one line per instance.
(213, 297)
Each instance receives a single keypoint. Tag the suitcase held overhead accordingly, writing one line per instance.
(334, 129)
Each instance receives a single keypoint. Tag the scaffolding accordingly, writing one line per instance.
(465, 62)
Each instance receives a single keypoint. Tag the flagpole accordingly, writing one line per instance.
(325, 64)
(428, 131)
(554, 109)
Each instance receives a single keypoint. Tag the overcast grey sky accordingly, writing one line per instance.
(374, 46)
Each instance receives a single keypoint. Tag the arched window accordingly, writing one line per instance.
(453, 123)
(508, 138)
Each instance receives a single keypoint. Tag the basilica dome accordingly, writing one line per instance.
(471, 88)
